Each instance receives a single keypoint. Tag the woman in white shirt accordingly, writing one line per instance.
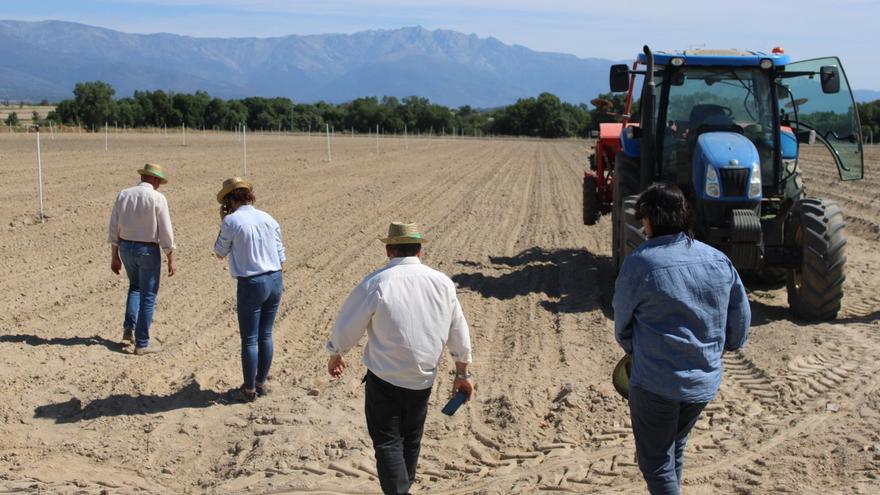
(252, 240)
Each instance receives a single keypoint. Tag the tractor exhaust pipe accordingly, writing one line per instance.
(648, 124)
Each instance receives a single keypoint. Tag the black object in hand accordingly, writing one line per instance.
(454, 403)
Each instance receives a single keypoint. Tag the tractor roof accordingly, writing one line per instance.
(728, 58)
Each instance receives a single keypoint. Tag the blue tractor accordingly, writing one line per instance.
(729, 127)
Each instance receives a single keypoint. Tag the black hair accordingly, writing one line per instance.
(665, 206)
(403, 250)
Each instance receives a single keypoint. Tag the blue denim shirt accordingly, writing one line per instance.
(677, 306)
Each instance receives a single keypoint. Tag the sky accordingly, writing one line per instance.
(586, 28)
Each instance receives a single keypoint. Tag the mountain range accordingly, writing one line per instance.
(43, 60)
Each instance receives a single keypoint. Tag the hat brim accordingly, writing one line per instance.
(226, 190)
(162, 179)
(402, 240)
(620, 376)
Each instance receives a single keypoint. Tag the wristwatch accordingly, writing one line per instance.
(463, 376)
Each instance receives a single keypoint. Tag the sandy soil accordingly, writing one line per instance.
(797, 413)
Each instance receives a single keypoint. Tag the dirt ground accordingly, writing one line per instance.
(798, 410)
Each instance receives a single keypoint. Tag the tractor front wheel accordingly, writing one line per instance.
(815, 288)
(591, 201)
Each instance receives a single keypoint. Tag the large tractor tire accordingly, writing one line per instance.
(591, 201)
(815, 288)
(626, 183)
(631, 228)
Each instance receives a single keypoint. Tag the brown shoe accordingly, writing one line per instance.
(262, 390)
(128, 336)
(241, 395)
(150, 349)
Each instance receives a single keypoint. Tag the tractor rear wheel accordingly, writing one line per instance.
(815, 288)
(626, 183)
(591, 201)
(631, 228)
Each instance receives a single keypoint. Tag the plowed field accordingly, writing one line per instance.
(798, 411)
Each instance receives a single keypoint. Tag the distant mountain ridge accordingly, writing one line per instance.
(45, 59)
(866, 95)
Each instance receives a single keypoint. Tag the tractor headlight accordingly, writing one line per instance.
(755, 181)
(713, 189)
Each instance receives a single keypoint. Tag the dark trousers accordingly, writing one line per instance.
(396, 420)
(661, 428)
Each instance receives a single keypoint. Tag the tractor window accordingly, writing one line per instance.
(716, 99)
(832, 116)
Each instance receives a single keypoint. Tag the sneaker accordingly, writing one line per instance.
(127, 336)
(150, 349)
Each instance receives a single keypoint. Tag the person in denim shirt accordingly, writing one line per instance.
(679, 304)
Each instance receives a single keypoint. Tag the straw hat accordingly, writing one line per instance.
(403, 233)
(155, 171)
(232, 184)
(620, 376)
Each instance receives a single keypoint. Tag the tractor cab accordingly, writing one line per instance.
(728, 127)
(749, 103)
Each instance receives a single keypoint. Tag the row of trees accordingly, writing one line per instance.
(869, 114)
(94, 105)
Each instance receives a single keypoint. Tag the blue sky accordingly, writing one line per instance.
(607, 29)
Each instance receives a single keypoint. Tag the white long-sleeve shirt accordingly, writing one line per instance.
(141, 214)
(410, 312)
(252, 238)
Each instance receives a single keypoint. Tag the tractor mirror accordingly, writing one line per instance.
(619, 78)
(830, 77)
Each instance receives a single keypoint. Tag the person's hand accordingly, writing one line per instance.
(171, 268)
(115, 265)
(465, 386)
(336, 365)
(222, 212)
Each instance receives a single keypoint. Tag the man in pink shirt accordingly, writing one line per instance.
(140, 225)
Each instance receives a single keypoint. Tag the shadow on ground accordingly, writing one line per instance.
(575, 280)
(63, 341)
(72, 411)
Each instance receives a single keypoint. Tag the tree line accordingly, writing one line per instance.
(94, 105)
(869, 114)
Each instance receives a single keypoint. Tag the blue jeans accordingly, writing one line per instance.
(661, 428)
(143, 265)
(258, 300)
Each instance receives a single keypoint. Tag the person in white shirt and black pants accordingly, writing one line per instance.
(252, 240)
(410, 312)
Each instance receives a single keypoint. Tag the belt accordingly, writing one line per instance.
(258, 275)
(156, 244)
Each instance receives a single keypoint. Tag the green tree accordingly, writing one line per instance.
(12, 119)
(94, 101)
(66, 112)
